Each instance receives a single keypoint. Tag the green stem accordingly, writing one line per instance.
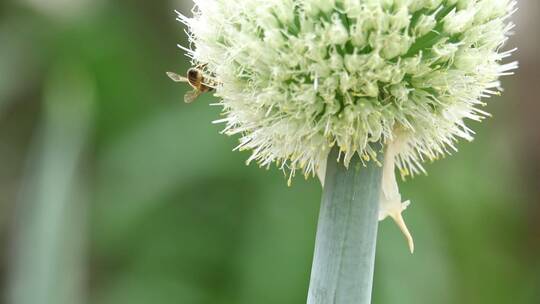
(342, 270)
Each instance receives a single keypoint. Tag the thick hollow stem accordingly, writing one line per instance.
(344, 258)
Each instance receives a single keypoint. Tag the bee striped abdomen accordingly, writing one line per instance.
(196, 79)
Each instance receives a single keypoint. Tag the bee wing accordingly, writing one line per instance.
(190, 96)
(176, 78)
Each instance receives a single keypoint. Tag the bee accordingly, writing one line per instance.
(195, 78)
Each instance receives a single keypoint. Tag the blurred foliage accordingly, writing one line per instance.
(173, 216)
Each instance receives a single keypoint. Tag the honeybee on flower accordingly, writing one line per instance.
(196, 79)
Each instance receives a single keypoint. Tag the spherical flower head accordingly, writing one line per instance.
(297, 77)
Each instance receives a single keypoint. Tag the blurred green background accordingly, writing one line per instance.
(112, 190)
